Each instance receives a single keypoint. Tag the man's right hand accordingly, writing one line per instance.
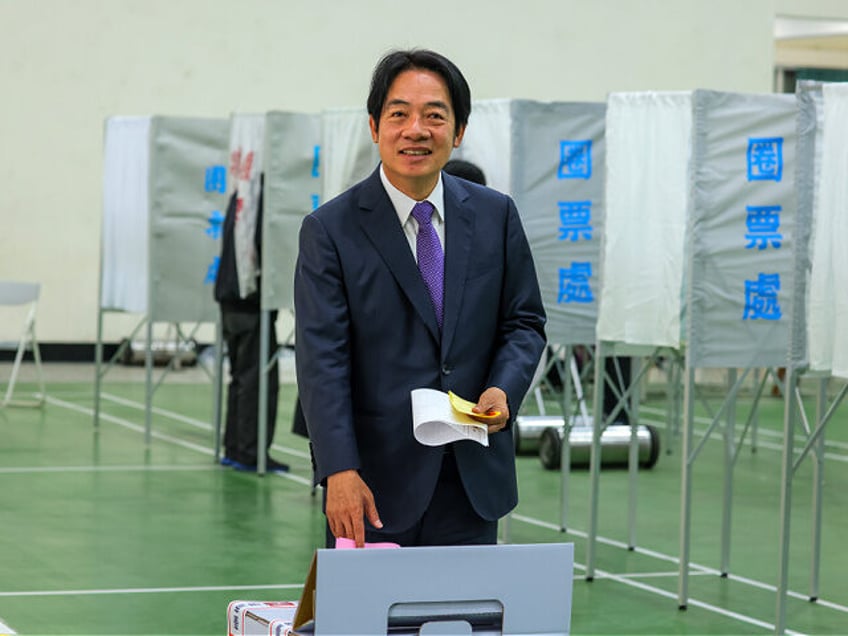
(349, 501)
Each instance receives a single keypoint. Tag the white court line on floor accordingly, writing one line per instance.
(5, 629)
(622, 579)
(659, 575)
(744, 618)
(152, 590)
(190, 420)
(130, 425)
(761, 445)
(158, 411)
(761, 432)
(161, 436)
(606, 541)
(108, 469)
(701, 569)
(540, 523)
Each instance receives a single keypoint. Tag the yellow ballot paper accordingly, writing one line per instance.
(466, 407)
(435, 421)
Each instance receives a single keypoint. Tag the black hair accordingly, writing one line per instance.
(465, 170)
(395, 62)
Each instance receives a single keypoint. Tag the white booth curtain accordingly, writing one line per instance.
(124, 243)
(827, 324)
(649, 147)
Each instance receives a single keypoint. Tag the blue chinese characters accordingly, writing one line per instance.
(762, 222)
(575, 222)
(575, 159)
(574, 283)
(316, 174)
(215, 180)
(765, 158)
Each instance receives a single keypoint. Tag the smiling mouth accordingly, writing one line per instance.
(415, 153)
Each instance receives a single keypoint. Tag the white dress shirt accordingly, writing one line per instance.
(403, 207)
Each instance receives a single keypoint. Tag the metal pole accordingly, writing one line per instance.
(98, 363)
(506, 523)
(633, 457)
(595, 459)
(148, 383)
(218, 382)
(818, 487)
(675, 373)
(790, 404)
(686, 483)
(98, 347)
(671, 405)
(755, 418)
(729, 452)
(565, 449)
(262, 438)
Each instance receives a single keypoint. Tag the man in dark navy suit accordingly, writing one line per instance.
(414, 278)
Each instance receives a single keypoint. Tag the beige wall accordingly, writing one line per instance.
(812, 8)
(66, 65)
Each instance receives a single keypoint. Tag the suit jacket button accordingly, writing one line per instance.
(446, 370)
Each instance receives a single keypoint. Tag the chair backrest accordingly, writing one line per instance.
(13, 293)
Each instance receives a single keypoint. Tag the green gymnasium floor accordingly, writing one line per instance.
(104, 535)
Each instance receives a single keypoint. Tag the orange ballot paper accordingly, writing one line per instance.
(440, 418)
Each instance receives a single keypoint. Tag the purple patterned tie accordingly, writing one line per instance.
(431, 258)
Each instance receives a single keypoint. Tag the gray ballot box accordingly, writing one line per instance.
(492, 589)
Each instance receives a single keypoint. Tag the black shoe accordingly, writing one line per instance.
(273, 466)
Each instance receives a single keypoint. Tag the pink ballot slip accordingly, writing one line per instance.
(343, 543)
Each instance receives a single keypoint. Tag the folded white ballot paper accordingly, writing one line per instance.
(435, 422)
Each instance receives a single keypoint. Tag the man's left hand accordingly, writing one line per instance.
(493, 400)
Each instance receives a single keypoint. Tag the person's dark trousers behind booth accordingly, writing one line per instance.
(240, 322)
(241, 333)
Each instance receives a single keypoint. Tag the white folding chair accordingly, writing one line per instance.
(12, 293)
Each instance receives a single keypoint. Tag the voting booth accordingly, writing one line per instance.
(164, 192)
(641, 265)
(706, 250)
(719, 183)
(557, 180)
(307, 158)
(745, 240)
(818, 344)
(167, 181)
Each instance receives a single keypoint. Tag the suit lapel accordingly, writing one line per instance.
(380, 223)
(459, 227)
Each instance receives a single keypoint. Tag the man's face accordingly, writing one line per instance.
(417, 131)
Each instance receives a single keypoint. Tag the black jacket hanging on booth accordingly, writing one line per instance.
(226, 281)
